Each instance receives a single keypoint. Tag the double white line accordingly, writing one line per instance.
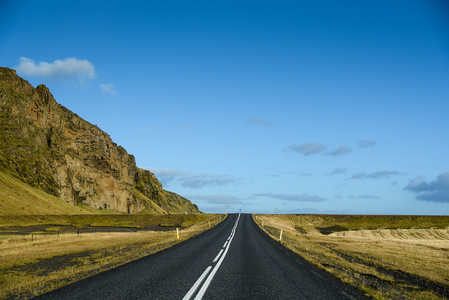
(220, 257)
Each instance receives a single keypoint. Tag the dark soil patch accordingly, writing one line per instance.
(45, 266)
(331, 229)
(301, 230)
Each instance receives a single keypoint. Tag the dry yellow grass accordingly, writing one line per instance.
(31, 268)
(410, 263)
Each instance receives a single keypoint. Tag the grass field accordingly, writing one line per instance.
(41, 248)
(29, 268)
(388, 257)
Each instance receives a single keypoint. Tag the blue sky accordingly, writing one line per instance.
(301, 106)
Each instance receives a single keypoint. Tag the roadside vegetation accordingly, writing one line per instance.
(387, 257)
(43, 260)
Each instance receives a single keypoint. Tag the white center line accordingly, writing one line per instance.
(197, 284)
(203, 289)
(218, 256)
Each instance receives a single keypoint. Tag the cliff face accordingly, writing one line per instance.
(47, 146)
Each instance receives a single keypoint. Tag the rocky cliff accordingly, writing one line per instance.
(47, 146)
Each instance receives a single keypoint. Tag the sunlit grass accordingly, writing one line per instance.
(29, 268)
(385, 256)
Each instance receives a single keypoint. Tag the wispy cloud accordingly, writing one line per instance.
(216, 199)
(165, 176)
(364, 197)
(306, 174)
(340, 151)
(436, 191)
(293, 197)
(366, 143)
(199, 181)
(190, 180)
(260, 122)
(375, 175)
(68, 68)
(337, 171)
(315, 148)
(308, 148)
(108, 88)
(280, 174)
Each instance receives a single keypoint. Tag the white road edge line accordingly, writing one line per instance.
(197, 284)
(203, 289)
(218, 256)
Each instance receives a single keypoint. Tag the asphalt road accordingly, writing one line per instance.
(234, 260)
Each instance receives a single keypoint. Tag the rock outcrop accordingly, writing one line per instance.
(47, 146)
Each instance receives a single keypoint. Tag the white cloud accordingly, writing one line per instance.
(364, 197)
(337, 171)
(280, 174)
(314, 148)
(190, 180)
(108, 88)
(293, 197)
(68, 68)
(308, 148)
(199, 181)
(342, 150)
(165, 176)
(216, 199)
(375, 175)
(437, 190)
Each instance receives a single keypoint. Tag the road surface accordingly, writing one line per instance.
(234, 260)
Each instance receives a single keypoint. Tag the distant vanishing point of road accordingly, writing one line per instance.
(234, 260)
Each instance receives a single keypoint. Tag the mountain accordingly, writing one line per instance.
(47, 146)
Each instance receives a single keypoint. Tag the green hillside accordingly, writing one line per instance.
(18, 198)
